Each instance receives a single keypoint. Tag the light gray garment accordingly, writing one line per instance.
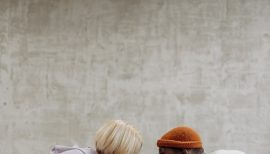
(228, 152)
(60, 149)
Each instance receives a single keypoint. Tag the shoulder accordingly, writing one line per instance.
(91, 151)
(71, 150)
(228, 152)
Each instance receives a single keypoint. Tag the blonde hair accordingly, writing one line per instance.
(118, 137)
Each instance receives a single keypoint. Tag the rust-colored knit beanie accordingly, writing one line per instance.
(180, 137)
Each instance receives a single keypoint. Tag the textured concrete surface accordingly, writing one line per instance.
(67, 66)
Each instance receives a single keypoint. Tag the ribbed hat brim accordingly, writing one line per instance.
(179, 144)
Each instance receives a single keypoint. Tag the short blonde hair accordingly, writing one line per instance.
(118, 137)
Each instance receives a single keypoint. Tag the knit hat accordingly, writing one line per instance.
(180, 137)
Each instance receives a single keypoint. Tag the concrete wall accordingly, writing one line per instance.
(67, 66)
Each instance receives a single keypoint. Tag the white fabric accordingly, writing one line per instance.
(60, 149)
(228, 152)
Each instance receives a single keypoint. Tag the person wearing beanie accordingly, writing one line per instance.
(180, 140)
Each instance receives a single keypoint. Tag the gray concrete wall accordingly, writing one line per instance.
(67, 66)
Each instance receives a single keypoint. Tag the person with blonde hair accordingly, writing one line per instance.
(115, 137)
(118, 137)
